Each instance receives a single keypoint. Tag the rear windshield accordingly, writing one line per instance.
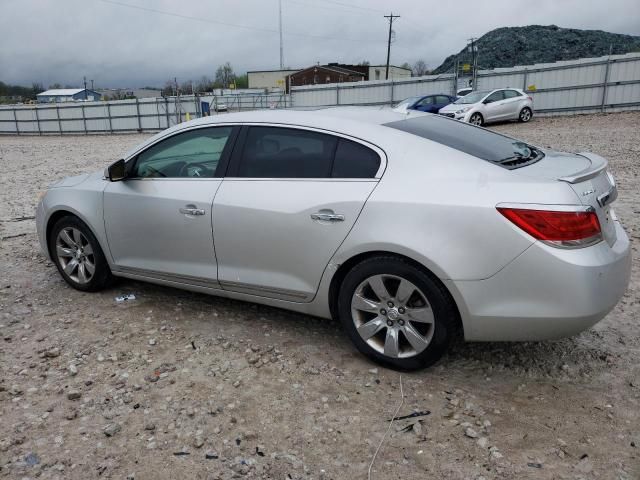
(485, 144)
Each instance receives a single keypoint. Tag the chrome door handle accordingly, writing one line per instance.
(192, 210)
(327, 217)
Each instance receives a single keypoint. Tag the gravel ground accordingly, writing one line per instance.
(183, 385)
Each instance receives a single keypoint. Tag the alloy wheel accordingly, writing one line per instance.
(75, 255)
(525, 115)
(475, 119)
(392, 316)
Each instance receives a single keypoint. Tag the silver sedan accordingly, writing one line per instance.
(408, 228)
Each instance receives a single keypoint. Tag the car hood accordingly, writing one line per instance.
(76, 180)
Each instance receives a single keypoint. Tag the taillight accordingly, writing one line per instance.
(568, 229)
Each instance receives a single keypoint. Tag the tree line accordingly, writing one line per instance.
(225, 77)
(12, 93)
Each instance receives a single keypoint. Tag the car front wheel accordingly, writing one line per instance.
(525, 115)
(395, 313)
(78, 256)
(476, 119)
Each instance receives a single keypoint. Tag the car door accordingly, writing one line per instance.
(158, 220)
(289, 199)
(512, 101)
(441, 102)
(493, 106)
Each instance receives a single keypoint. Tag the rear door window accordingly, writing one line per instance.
(281, 152)
(275, 152)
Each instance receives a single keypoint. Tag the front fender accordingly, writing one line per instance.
(84, 203)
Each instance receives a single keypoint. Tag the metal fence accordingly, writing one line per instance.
(149, 114)
(585, 85)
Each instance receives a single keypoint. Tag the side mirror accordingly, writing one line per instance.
(486, 100)
(116, 171)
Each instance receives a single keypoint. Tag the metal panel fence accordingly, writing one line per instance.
(149, 114)
(377, 92)
(585, 85)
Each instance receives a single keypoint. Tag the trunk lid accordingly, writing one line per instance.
(586, 174)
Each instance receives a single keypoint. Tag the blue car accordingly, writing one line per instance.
(427, 103)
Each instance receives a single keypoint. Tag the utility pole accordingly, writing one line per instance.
(280, 25)
(178, 106)
(474, 61)
(391, 18)
(84, 79)
(91, 84)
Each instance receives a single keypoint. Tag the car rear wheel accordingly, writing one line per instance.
(525, 115)
(78, 256)
(476, 119)
(395, 313)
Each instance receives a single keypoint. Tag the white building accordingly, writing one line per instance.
(67, 95)
(378, 72)
(269, 79)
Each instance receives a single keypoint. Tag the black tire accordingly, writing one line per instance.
(478, 116)
(442, 306)
(525, 115)
(101, 276)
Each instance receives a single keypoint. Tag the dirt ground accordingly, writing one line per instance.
(181, 385)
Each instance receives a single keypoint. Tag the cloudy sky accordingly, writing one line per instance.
(145, 42)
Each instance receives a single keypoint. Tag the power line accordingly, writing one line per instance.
(359, 11)
(315, 4)
(358, 7)
(227, 24)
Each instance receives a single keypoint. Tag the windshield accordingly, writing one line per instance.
(479, 142)
(407, 102)
(473, 97)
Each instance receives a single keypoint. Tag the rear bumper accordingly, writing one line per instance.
(546, 292)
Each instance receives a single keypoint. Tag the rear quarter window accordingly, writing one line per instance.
(354, 160)
(511, 94)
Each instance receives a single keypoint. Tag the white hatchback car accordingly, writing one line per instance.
(484, 106)
(404, 226)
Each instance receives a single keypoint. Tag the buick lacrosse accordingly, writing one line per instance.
(407, 227)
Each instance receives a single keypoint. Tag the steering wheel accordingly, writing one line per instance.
(193, 170)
